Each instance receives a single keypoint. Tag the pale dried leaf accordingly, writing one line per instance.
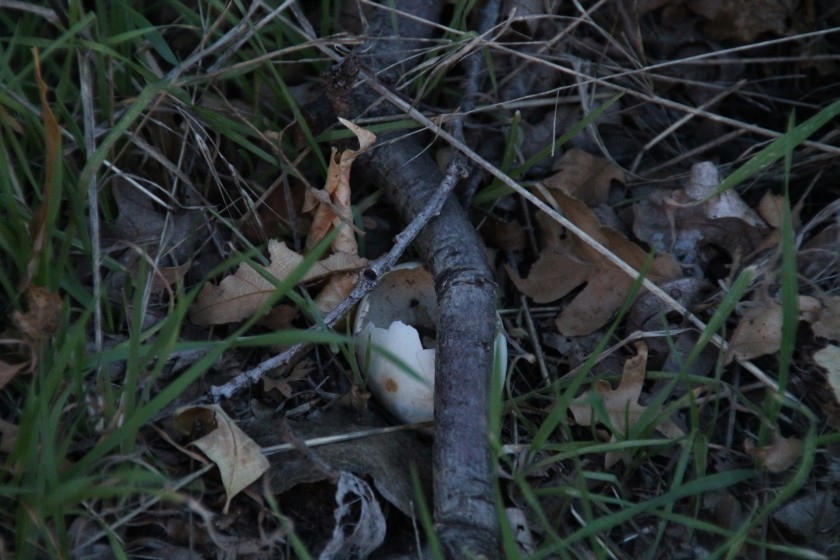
(521, 528)
(337, 212)
(8, 436)
(675, 222)
(337, 288)
(704, 180)
(9, 371)
(41, 320)
(759, 332)
(595, 305)
(239, 459)
(780, 455)
(622, 404)
(770, 208)
(583, 217)
(239, 295)
(829, 359)
(828, 324)
(280, 385)
(334, 264)
(300, 372)
(584, 176)
(366, 138)
(810, 309)
(663, 267)
(545, 284)
(328, 213)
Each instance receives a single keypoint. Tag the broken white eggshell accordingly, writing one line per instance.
(386, 327)
(407, 390)
(399, 365)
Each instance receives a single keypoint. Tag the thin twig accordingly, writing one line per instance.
(46, 13)
(606, 82)
(680, 122)
(249, 31)
(148, 504)
(86, 95)
(341, 438)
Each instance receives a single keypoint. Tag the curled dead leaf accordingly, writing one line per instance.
(41, 320)
(829, 359)
(34, 327)
(759, 332)
(676, 221)
(333, 210)
(300, 372)
(359, 522)
(239, 459)
(240, 295)
(827, 324)
(701, 186)
(770, 208)
(780, 455)
(622, 404)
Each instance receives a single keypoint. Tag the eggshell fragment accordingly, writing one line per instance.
(406, 390)
(386, 323)
(400, 371)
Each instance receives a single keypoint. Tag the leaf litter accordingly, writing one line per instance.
(641, 180)
(621, 404)
(606, 286)
(240, 295)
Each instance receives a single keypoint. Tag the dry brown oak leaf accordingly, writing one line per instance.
(622, 404)
(567, 262)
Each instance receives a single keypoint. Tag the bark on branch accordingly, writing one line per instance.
(464, 505)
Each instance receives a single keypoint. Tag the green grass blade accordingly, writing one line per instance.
(777, 149)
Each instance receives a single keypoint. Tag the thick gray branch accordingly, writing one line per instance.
(464, 505)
